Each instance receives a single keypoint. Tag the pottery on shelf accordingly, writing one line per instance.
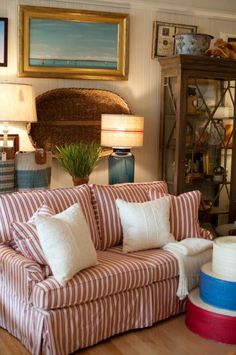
(192, 43)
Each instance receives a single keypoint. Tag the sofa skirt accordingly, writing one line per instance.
(63, 331)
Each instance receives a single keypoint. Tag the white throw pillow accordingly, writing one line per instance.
(66, 242)
(145, 225)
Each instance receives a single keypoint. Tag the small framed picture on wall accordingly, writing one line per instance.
(12, 145)
(163, 43)
(228, 37)
(3, 41)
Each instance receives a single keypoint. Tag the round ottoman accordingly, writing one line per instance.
(211, 309)
(224, 257)
(210, 322)
(216, 290)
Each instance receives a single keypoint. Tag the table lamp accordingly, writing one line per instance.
(121, 132)
(17, 104)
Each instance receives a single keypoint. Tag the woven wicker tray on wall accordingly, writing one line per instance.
(70, 115)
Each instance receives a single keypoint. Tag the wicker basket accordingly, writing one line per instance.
(70, 115)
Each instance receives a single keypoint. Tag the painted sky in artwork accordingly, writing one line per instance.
(1, 41)
(57, 39)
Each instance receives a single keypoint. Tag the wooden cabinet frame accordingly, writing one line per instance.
(181, 68)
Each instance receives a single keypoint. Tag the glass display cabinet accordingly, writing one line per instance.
(198, 131)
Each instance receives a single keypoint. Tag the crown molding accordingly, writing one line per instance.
(225, 10)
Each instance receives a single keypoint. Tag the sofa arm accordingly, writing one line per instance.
(18, 275)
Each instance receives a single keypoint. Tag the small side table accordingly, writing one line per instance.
(226, 229)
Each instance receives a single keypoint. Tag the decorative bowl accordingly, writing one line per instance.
(192, 43)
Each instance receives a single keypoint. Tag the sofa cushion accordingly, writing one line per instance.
(106, 213)
(145, 225)
(61, 199)
(164, 263)
(183, 213)
(116, 272)
(17, 207)
(66, 242)
(26, 236)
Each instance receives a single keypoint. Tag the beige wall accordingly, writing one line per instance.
(140, 91)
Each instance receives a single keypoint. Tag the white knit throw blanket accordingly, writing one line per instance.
(189, 262)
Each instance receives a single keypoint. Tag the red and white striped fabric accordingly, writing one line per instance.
(183, 213)
(165, 264)
(166, 302)
(61, 199)
(204, 233)
(43, 210)
(106, 213)
(89, 323)
(21, 320)
(64, 330)
(26, 236)
(114, 273)
(18, 274)
(18, 206)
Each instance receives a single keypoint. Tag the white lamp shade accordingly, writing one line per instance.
(122, 131)
(17, 103)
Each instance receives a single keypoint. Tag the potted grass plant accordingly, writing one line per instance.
(78, 159)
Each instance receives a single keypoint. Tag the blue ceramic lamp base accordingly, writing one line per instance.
(121, 166)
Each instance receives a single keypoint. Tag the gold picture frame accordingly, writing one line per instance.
(3, 41)
(163, 43)
(79, 45)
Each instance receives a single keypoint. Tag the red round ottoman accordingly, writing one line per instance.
(210, 322)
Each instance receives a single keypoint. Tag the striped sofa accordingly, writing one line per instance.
(122, 292)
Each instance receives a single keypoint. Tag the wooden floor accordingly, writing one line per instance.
(170, 337)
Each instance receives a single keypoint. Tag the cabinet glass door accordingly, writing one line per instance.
(169, 131)
(208, 146)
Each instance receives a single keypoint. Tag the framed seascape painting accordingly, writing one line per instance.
(3, 41)
(163, 43)
(62, 43)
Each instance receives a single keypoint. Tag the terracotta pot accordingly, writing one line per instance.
(80, 180)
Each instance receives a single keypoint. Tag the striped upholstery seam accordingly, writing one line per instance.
(184, 210)
(18, 206)
(19, 274)
(60, 199)
(111, 277)
(162, 260)
(206, 234)
(107, 217)
(26, 237)
(106, 283)
(63, 331)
